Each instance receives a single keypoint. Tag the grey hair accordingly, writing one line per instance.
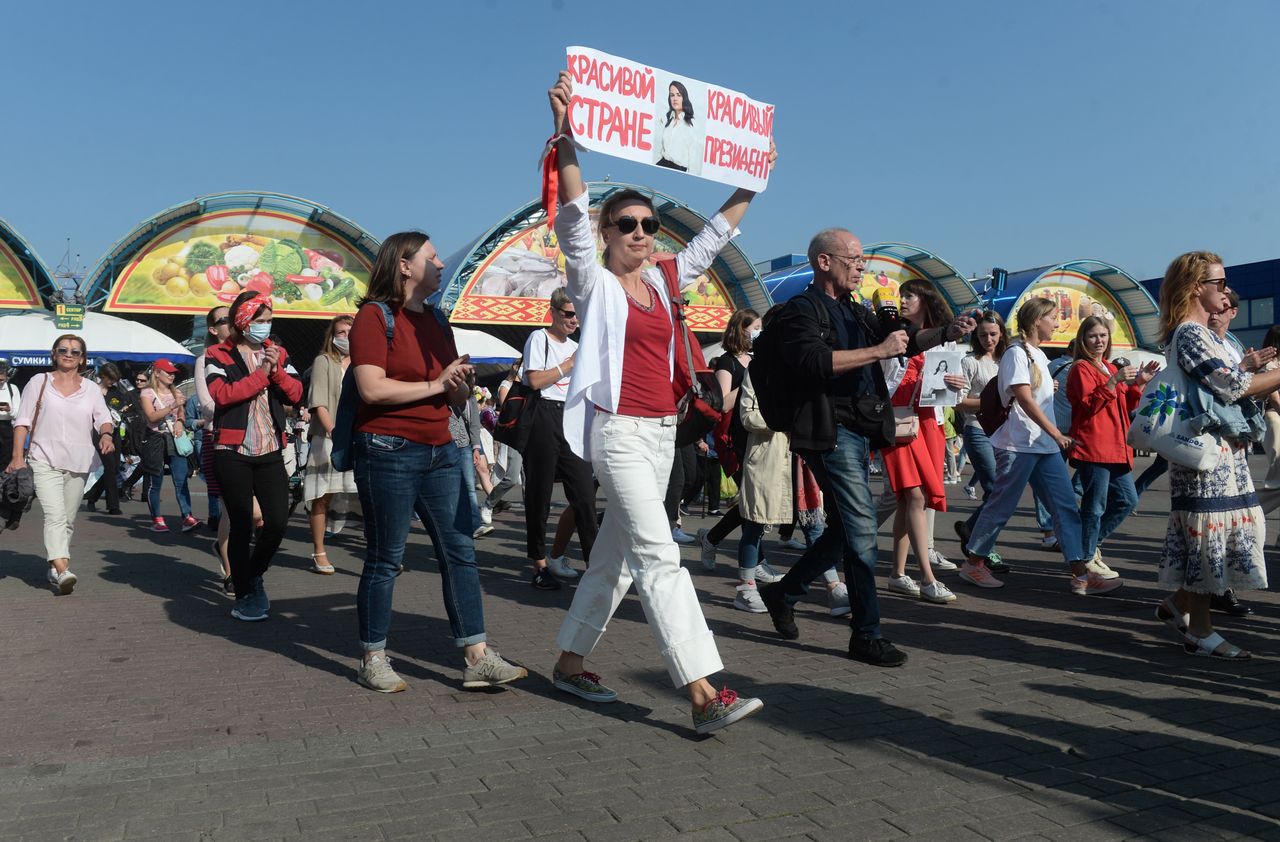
(559, 298)
(825, 241)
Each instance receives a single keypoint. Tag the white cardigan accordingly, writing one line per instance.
(602, 312)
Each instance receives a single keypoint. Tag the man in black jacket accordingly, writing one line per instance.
(832, 368)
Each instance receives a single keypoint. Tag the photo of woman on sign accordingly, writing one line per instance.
(679, 146)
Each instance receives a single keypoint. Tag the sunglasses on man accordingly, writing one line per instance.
(627, 224)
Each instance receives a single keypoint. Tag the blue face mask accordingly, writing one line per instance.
(258, 332)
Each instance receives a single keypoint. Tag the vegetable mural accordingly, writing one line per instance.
(17, 289)
(213, 258)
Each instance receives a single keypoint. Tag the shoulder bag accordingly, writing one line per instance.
(699, 402)
(516, 415)
(1162, 421)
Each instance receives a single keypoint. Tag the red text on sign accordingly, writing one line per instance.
(596, 120)
(734, 156)
(740, 112)
(603, 76)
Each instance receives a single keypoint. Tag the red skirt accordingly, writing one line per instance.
(920, 463)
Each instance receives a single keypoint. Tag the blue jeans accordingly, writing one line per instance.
(469, 477)
(842, 474)
(397, 478)
(1047, 473)
(750, 544)
(1109, 496)
(1153, 472)
(178, 469)
(983, 457)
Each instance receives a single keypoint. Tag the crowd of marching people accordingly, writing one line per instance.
(389, 424)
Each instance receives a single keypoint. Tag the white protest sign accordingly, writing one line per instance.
(629, 110)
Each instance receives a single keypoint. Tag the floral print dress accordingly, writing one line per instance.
(1216, 529)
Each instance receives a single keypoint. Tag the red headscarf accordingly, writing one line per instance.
(248, 309)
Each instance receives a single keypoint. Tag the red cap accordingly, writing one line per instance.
(164, 365)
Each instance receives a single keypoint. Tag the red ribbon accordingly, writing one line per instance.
(551, 179)
(249, 309)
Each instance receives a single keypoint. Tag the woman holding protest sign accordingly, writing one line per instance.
(621, 414)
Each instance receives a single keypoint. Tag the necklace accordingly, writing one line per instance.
(647, 308)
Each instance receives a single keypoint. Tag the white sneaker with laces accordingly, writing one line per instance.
(486, 514)
(559, 566)
(706, 550)
(971, 492)
(937, 593)
(766, 574)
(904, 585)
(1099, 567)
(747, 598)
(940, 562)
(838, 600)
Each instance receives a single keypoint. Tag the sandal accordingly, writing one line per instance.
(325, 569)
(1167, 613)
(1213, 646)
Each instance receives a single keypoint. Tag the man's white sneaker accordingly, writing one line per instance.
(747, 598)
(937, 592)
(904, 585)
(838, 600)
(559, 565)
(486, 513)
(978, 574)
(940, 562)
(706, 551)
(377, 674)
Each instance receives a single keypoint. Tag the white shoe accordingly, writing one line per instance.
(62, 582)
(1097, 566)
(971, 492)
(904, 585)
(838, 600)
(766, 574)
(747, 598)
(680, 536)
(940, 562)
(559, 566)
(706, 551)
(937, 592)
(482, 530)
(1049, 542)
(486, 514)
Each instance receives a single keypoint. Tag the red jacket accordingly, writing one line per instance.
(232, 387)
(1099, 415)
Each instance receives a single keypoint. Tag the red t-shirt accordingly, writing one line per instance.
(646, 368)
(419, 352)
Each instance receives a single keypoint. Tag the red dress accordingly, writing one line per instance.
(919, 463)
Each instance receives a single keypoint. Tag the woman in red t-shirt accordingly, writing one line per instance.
(1102, 397)
(915, 469)
(406, 462)
(622, 387)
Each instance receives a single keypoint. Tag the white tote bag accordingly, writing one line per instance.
(1161, 422)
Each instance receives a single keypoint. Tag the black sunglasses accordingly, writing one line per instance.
(627, 224)
(568, 314)
(222, 321)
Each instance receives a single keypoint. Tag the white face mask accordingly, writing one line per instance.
(753, 335)
(258, 332)
(342, 344)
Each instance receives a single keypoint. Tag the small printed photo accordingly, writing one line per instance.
(679, 131)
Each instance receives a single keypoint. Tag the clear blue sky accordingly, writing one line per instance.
(992, 133)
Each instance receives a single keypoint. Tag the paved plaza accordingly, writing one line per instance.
(136, 708)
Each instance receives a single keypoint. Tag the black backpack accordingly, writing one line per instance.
(775, 385)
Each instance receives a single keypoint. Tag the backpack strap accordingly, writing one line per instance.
(388, 320)
(670, 273)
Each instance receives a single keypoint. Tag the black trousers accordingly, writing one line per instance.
(242, 478)
(548, 459)
(109, 481)
(6, 440)
(682, 485)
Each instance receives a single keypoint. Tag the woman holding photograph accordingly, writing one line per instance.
(678, 147)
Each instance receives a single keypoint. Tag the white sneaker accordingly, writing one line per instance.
(377, 674)
(1099, 567)
(971, 492)
(559, 566)
(62, 582)
(904, 585)
(680, 536)
(486, 514)
(766, 574)
(838, 600)
(940, 562)
(1049, 542)
(706, 551)
(937, 592)
(482, 530)
(747, 598)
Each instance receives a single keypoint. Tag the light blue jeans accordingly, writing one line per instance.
(1109, 496)
(1047, 473)
(983, 456)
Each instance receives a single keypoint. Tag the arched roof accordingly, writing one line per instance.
(1139, 308)
(910, 260)
(97, 285)
(33, 285)
(741, 281)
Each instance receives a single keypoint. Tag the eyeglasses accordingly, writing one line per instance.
(1220, 283)
(854, 260)
(627, 224)
(69, 352)
(222, 321)
(568, 314)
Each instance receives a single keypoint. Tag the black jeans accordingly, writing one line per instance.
(6, 440)
(109, 481)
(548, 458)
(242, 478)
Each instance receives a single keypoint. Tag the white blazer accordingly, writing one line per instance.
(602, 313)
